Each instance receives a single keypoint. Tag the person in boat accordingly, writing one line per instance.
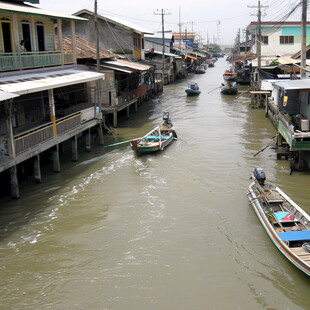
(196, 86)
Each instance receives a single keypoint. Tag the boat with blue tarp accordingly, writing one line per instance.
(287, 225)
(193, 90)
(157, 139)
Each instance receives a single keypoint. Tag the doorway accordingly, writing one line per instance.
(40, 37)
(7, 36)
(27, 36)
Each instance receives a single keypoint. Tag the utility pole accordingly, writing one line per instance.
(180, 25)
(246, 42)
(239, 42)
(259, 32)
(163, 13)
(303, 54)
(97, 37)
(98, 107)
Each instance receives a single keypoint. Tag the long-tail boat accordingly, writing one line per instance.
(287, 224)
(157, 139)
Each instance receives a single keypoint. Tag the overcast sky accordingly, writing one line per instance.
(209, 18)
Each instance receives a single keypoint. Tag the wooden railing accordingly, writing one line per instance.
(68, 122)
(125, 98)
(33, 137)
(10, 61)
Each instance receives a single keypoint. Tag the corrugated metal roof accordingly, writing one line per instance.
(6, 96)
(35, 11)
(116, 20)
(166, 54)
(107, 66)
(128, 64)
(31, 83)
(293, 84)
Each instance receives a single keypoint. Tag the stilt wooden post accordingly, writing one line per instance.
(74, 144)
(37, 169)
(14, 183)
(56, 162)
(115, 119)
(100, 134)
(127, 110)
(136, 106)
(88, 141)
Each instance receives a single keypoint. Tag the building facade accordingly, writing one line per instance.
(45, 98)
(278, 38)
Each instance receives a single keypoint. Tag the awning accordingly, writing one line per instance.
(127, 64)
(190, 57)
(6, 96)
(166, 54)
(108, 66)
(293, 84)
(30, 83)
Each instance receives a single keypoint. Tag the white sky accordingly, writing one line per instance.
(202, 16)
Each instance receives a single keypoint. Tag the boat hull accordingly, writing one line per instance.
(156, 140)
(226, 90)
(192, 92)
(155, 148)
(282, 245)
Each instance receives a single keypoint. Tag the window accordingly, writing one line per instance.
(265, 40)
(286, 39)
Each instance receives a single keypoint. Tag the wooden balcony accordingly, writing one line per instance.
(10, 61)
(127, 97)
(67, 123)
(32, 138)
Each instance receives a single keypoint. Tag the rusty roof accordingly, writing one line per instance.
(85, 49)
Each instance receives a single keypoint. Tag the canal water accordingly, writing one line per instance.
(167, 231)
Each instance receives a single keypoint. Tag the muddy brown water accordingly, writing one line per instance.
(166, 231)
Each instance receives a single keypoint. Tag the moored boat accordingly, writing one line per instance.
(200, 70)
(157, 139)
(229, 76)
(286, 223)
(229, 89)
(193, 90)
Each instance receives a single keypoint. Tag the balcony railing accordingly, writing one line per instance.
(68, 122)
(127, 97)
(10, 61)
(33, 137)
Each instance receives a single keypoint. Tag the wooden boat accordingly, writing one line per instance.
(193, 90)
(157, 139)
(229, 76)
(286, 223)
(200, 70)
(229, 89)
(210, 62)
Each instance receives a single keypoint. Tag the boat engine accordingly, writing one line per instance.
(259, 175)
(166, 117)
